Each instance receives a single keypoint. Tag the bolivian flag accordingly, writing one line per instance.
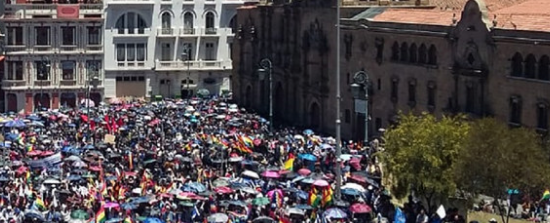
(313, 199)
(546, 194)
(100, 216)
(289, 164)
(327, 197)
(39, 203)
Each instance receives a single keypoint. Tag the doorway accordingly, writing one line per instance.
(166, 52)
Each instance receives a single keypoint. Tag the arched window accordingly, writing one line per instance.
(543, 68)
(166, 20)
(188, 23)
(131, 23)
(517, 67)
(395, 51)
(413, 53)
(432, 55)
(404, 52)
(422, 54)
(209, 20)
(530, 66)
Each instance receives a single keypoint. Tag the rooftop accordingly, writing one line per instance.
(531, 15)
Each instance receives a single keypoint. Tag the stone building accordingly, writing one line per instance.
(299, 38)
(473, 56)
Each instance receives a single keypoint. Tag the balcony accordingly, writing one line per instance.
(94, 49)
(188, 32)
(42, 49)
(42, 83)
(15, 49)
(13, 84)
(166, 32)
(191, 65)
(68, 49)
(211, 31)
(137, 32)
(67, 82)
(91, 9)
(129, 2)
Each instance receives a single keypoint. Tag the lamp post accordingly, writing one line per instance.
(267, 67)
(338, 121)
(93, 81)
(361, 81)
(186, 59)
(44, 69)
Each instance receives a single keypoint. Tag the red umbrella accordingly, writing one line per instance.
(34, 153)
(357, 178)
(355, 163)
(360, 208)
(47, 153)
(304, 171)
(223, 190)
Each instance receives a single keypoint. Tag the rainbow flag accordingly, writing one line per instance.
(21, 139)
(247, 141)
(128, 220)
(100, 216)
(277, 199)
(39, 203)
(546, 194)
(313, 199)
(289, 164)
(30, 148)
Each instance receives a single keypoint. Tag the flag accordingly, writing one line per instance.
(196, 212)
(21, 138)
(39, 203)
(128, 220)
(100, 216)
(546, 194)
(30, 148)
(277, 199)
(327, 197)
(247, 141)
(289, 164)
(28, 176)
(399, 216)
(130, 161)
(313, 199)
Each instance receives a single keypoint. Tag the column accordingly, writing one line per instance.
(29, 103)
(55, 100)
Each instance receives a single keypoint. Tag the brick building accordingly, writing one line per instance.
(474, 56)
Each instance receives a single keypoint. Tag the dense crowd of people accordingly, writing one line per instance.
(197, 160)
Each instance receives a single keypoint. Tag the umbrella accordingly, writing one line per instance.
(128, 206)
(320, 183)
(218, 218)
(303, 207)
(34, 214)
(113, 220)
(152, 220)
(250, 174)
(195, 186)
(223, 190)
(18, 123)
(87, 102)
(221, 182)
(350, 191)
(72, 158)
(271, 174)
(111, 205)
(51, 181)
(79, 215)
(335, 213)
(308, 132)
(260, 201)
(304, 171)
(360, 208)
(295, 211)
(263, 219)
(308, 157)
(354, 186)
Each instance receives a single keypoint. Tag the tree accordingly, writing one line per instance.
(420, 154)
(496, 158)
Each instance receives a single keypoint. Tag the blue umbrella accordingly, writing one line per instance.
(350, 191)
(128, 206)
(11, 136)
(33, 117)
(335, 213)
(308, 132)
(15, 124)
(112, 220)
(303, 207)
(302, 194)
(194, 186)
(74, 178)
(153, 220)
(308, 157)
(139, 200)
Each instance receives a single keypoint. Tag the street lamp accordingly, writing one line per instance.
(267, 67)
(361, 82)
(186, 59)
(93, 81)
(43, 70)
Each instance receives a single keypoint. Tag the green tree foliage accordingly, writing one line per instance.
(420, 154)
(496, 157)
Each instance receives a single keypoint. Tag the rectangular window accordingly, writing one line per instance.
(140, 52)
(412, 93)
(15, 70)
(94, 35)
(68, 69)
(394, 89)
(130, 52)
(42, 36)
(42, 69)
(15, 36)
(121, 52)
(515, 111)
(187, 51)
(68, 36)
(209, 54)
(542, 117)
(431, 96)
(93, 67)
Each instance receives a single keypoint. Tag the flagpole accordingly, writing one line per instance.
(338, 100)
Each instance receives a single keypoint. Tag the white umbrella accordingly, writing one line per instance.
(80, 164)
(354, 186)
(52, 181)
(251, 174)
(136, 190)
(87, 102)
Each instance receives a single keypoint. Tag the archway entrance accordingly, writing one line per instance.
(96, 97)
(12, 102)
(68, 100)
(315, 116)
(279, 105)
(42, 101)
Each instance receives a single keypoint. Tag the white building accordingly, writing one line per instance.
(52, 49)
(168, 47)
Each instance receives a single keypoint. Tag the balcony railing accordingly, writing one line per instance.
(67, 82)
(15, 48)
(188, 31)
(42, 48)
(165, 32)
(211, 31)
(14, 83)
(191, 65)
(91, 6)
(68, 48)
(42, 83)
(136, 31)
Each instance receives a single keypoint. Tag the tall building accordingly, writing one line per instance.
(479, 57)
(53, 48)
(299, 38)
(168, 48)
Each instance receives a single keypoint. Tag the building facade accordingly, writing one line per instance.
(52, 49)
(168, 48)
(299, 37)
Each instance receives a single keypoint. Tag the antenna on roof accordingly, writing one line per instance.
(495, 22)
(454, 19)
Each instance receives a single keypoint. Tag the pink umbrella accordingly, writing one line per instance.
(320, 183)
(21, 170)
(47, 153)
(355, 163)
(272, 192)
(257, 142)
(223, 190)
(360, 208)
(95, 168)
(111, 205)
(271, 174)
(304, 171)
(34, 153)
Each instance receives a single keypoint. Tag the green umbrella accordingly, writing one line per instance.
(204, 93)
(260, 201)
(186, 204)
(79, 215)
